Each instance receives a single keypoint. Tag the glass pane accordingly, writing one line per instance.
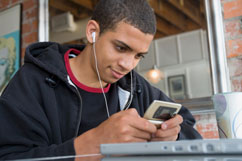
(179, 50)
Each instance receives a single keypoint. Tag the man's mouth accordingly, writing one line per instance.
(116, 74)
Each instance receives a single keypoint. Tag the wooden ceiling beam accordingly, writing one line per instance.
(88, 4)
(54, 12)
(189, 9)
(191, 26)
(165, 27)
(169, 13)
(202, 7)
(66, 6)
(159, 35)
(165, 11)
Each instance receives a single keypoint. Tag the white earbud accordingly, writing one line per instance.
(94, 37)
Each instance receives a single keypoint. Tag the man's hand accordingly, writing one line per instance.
(169, 129)
(124, 126)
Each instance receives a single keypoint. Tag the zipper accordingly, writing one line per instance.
(131, 92)
(80, 98)
(80, 117)
(129, 102)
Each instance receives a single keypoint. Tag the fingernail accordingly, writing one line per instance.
(164, 126)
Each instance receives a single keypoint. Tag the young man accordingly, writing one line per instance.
(68, 100)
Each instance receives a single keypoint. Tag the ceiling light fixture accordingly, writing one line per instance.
(154, 75)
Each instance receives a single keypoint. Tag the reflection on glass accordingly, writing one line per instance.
(184, 58)
(180, 46)
(180, 51)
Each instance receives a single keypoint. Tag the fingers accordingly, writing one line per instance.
(127, 126)
(140, 123)
(167, 135)
(169, 129)
(140, 129)
(173, 122)
(144, 125)
(142, 134)
(128, 132)
(169, 132)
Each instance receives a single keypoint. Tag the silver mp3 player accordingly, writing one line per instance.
(159, 111)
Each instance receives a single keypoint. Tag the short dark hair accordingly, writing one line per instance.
(138, 13)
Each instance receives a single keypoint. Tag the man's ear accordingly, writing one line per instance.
(92, 26)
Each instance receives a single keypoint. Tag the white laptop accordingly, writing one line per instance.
(187, 147)
(176, 158)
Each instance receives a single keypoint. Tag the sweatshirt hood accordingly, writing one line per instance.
(49, 56)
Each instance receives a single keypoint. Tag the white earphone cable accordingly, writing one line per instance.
(105, 99)
(100, 81)
(131, 90)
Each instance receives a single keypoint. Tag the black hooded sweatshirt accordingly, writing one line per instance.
(40, 110)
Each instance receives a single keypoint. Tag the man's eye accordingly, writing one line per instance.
(139, 56)
(120, 48)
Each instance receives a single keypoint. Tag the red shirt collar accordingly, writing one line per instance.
(73, 78)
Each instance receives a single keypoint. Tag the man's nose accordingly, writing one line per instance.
(127, 62)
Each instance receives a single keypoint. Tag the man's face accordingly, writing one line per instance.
(119, 51)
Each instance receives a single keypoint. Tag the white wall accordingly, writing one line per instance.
(184, 54)
(67, 36)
